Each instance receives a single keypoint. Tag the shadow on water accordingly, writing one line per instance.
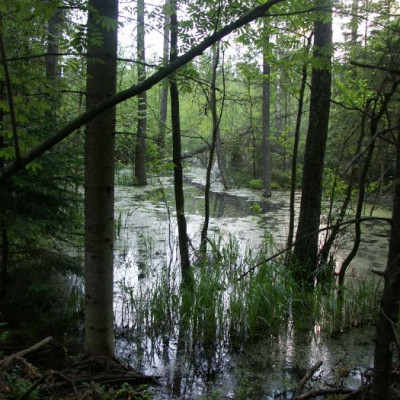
(198, 355)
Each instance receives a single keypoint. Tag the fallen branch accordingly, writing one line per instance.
(5, 362)
(306, 378)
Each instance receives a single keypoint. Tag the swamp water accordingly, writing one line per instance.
(190, 364)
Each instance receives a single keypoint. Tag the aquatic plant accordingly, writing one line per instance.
(223, 306)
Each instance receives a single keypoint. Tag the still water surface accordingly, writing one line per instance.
(271, 365)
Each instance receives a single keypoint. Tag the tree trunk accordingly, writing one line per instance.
(164, 87)
(306, 249)
(219, 148)
(293, 182)
(266, 145)
(389, 311)
(99, 181)
(140, 153)
(354, 22)
(53, 45)
(176, 156)
(13, 167)
(216, 120)
(375, 119)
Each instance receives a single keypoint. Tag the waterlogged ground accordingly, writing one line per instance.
(269, 366)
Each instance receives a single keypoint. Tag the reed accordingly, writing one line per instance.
(222, 307)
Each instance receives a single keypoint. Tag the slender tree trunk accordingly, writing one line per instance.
(165, 87)
(53, 45)
(140, 152)
(293, 182)
(354, 22)
(360, 204)
(219, 147)
(8, 86)
(176, 156)
(363, 177)
(216, 120)
(99, 181)
(266, 123)
(306, 250)
(386, 326)
(52, 65)
(4, 242)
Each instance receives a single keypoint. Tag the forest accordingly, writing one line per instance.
(199, 199)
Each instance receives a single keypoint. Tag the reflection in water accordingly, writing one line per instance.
(190, 359)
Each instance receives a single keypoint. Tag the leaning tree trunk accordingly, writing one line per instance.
(140, 151)
(176, 156)
(386, 336)
(306, 249)
(99, 180)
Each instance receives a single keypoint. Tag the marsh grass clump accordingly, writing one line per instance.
(228, 305)
(354, 305)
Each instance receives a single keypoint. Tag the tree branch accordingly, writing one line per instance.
(112, 101)
(327, 228)
(378, 67)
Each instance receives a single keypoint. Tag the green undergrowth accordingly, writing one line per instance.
(233, 302)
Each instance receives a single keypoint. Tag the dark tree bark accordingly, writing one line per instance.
(164, 87)
(176, 155)
(8, 86)
(140, 151)
(306, 250)
(389, 310)
(99, 181)
(266, 116)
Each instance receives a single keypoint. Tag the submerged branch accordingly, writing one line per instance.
(306, 378)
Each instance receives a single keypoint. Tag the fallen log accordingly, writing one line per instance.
(6, 361)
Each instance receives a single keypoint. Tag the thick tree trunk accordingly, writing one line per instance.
(266, 117)
(176, 156)
(306, 249)
(164, 87)
(140, 153)
(99, 181)
(389, 311)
